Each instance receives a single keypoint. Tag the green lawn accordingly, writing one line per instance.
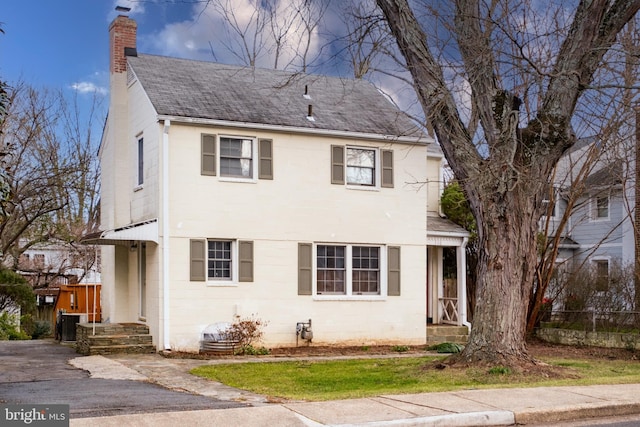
(344, 379)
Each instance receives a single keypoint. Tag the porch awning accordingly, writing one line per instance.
(444, 232)
(145, 231)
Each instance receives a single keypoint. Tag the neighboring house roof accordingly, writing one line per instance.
(442, 226)
(183, 88)
(608, 176)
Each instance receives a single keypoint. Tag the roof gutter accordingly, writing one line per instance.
(315, 131)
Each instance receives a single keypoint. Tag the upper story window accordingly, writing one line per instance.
(549, 201)
(140, 180)
(236, 158)
(361, 167)
(600, 207)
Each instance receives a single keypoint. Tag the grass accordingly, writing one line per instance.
(345, 379)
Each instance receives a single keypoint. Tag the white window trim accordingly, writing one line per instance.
(593, 208)
(377, 173)
(349, 296)
(221, 283)
(254, 159)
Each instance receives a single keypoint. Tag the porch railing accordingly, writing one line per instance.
(449, 310)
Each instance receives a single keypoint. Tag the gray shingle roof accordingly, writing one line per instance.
(436, 224)
(207, 90)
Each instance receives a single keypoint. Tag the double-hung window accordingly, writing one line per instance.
(348, 270)
(361, 167)
(602, 274)
(236, 157)
(601, 207)
(221, 261)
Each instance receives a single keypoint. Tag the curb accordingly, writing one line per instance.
(586, 411)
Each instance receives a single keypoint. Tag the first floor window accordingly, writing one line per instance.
(219, 260)
(236, 157)
(347, 269)
(331, 269)
(602, 274)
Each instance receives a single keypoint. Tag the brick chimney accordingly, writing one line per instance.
(122, 35)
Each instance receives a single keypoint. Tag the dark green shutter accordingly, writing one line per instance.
(265, 156)
(387, 168)
(208, 154)
(198, 260)
(393, 271)
(337, 164)
(245, 261)
(305, 268)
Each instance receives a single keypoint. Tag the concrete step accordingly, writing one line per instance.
(437, 339)
(447, 330)
(102, 340)
(120, 349)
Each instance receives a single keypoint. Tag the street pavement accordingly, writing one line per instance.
(226, 406)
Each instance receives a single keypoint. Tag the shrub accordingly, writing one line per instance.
(245, 332)
(400, 348)
(9, 328)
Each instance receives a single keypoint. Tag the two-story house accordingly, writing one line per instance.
(233, 192)
(591, 206)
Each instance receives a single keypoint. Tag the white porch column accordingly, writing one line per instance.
(461, 261)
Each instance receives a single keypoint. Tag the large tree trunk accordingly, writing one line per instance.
(506, 264)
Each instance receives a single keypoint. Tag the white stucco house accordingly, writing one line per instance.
(235, 192)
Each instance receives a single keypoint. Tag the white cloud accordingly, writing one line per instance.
(89, 88)
(207, 35)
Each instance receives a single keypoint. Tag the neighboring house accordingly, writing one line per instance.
(54, 265)
(50, 264)
(236, 192)
(599, 232)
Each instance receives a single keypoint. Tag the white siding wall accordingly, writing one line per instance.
(298, 205)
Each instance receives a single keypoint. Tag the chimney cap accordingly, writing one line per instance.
(123, 9)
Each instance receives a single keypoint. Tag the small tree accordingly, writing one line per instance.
(15, 292)
(456, 207)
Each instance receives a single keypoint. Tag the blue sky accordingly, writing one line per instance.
(63, 44)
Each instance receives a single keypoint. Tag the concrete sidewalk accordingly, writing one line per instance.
(491, 407)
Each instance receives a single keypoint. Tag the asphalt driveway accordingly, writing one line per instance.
(38, 372)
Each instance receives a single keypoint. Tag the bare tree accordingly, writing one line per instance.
(275, 32)
(52, 176)
(504, 157)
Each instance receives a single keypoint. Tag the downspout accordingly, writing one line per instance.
(165, 235)
(462, 278)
